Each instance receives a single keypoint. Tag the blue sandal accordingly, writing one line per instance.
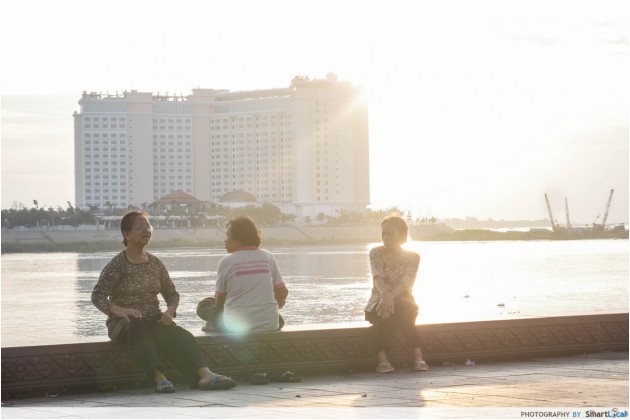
(219, 382)
(164, 387)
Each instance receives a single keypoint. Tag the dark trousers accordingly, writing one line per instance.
(404, 318)
(151, 342)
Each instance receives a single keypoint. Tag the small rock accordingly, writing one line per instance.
(298, 396)
(364, 395)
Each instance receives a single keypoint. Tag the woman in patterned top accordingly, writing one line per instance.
(391, 305)
(127, 292)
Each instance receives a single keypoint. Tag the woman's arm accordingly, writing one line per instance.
(385, 307)
(281, 292)
(219, 301)
(108, 279)
(170, 295)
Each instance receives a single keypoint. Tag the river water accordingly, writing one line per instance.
(46, 296)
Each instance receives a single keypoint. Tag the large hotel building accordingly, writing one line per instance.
(303, 148)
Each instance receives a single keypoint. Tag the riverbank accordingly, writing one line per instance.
(80, 240)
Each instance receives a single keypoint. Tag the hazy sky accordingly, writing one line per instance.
(477, 108)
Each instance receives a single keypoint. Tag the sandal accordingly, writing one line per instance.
(421, 365)
(218, 382)
(288, 377)
(164, 387)
(384, 368)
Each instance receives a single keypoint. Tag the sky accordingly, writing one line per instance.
(476, 108)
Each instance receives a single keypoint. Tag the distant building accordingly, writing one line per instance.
(303, 148)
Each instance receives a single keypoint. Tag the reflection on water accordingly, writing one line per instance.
(46, 297)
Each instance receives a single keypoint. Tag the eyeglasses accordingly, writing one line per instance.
(143, 227)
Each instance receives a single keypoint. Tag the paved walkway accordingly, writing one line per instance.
(540, 388)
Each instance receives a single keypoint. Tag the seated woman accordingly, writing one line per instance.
(249, 288)
(127, 292)
(391, 305)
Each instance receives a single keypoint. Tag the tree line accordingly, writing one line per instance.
(180, 216)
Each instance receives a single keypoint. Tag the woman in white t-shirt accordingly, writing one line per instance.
(249, 288)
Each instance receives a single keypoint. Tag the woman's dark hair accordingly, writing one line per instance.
(398, 223)
(244, 231)
(127, 222)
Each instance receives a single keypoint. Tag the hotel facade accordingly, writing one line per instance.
(303, 148)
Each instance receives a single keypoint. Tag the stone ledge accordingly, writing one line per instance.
(82, 367)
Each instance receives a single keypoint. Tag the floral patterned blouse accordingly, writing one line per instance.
(395, 268)
(135, 286)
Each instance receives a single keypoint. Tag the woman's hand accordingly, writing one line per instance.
(125, 312)
(281, 302)
(385, 307)
(167, 317)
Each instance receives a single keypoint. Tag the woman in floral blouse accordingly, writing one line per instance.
(127, 292)
(391, 305)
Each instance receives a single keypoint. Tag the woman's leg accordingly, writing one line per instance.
(140, 339)
(384, 332)
(407, 322)
(180, 348)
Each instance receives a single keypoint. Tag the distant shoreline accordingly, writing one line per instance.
(34, 241)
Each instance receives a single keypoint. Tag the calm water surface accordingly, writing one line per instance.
(46, 297)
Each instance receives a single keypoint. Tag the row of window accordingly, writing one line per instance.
(249, 118)
(175, 183)
(105, 149)
(172, 120)
(94, 200)
(104, 184)
(104, 190)
(245, 143)
(113, 169)
(163, 170)
(104, 126)
(172, 127)
(88, 136)
(106, 163)
(162, 192)
(248, 135)
(188, 143)
(112, 176)
(188, 137)
(171, 157)
(244, 127)
(108, 156)
(104, 119)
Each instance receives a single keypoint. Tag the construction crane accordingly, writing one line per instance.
(554, 222)
(566, 206)
(602, 226)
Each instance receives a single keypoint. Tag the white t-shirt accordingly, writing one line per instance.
(247, 279)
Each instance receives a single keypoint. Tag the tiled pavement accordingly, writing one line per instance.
(522, 389)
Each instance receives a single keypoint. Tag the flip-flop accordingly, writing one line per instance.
(287, 376)
(420, 366)
(164, 387)
(219, 382)
(385, 367)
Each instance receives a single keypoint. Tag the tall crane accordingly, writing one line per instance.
(554, 223)
(566, 207)
(602, 226)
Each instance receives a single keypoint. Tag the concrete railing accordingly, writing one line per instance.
(88, 366)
